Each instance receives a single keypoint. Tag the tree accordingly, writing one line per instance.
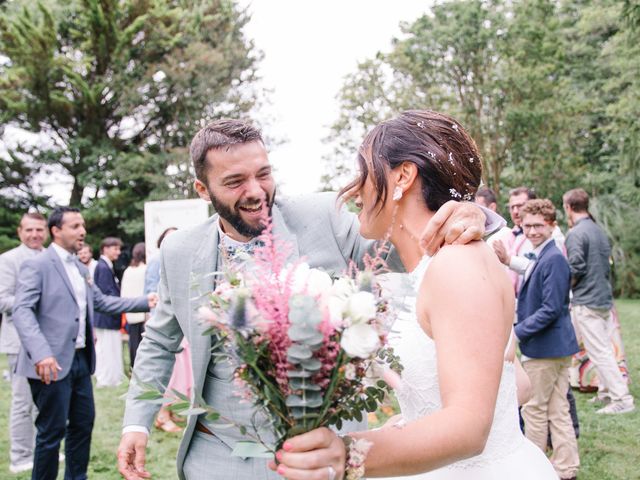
(548, 89)
(120, 87)
(449, 60)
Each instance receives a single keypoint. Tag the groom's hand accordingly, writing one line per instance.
(131, 456)
(454, 222)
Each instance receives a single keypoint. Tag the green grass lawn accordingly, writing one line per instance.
(609, 445)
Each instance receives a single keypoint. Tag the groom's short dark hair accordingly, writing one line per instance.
(222, 133)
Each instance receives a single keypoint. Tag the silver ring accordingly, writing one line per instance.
(332, 473)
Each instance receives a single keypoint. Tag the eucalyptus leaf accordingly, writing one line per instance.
(300, 383)
(251, 450)
(192, 411)
(309, 401)
(312, 364)
(305, 334)
(299, 351)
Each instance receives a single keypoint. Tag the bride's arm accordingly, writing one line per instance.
(461, 306)
(460, 301)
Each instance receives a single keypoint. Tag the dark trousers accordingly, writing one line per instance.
(135, 337)
(65, 410)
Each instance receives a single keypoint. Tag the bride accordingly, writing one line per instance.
(457, 394)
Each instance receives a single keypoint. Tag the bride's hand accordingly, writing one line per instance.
(454, 222)
(318, 454)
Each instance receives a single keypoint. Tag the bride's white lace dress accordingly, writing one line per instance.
(507, 454)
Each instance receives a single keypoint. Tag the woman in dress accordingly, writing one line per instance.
(133, 286)
(458, 394)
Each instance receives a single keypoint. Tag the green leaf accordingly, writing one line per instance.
(151, 395)
(212, 416)
(246, 449)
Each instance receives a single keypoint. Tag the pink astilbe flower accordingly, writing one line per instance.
(271, 294)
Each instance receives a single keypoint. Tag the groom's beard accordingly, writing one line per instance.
(233, 216)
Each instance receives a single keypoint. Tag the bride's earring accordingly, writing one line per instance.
(397, 193)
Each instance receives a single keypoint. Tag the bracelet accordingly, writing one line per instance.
(356, 455)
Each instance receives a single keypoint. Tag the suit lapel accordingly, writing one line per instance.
(57, 263)
(281, 232)
(537, 261)
(203, 263)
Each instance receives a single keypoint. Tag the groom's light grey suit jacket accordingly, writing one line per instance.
(326, 236)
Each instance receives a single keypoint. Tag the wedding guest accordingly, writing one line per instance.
(152, 274)
(547, 340)
(53, 314)
(109, 364)
(133, 286)
(32, 232)
(513, 249)
(85, 255)
(589, 250)
(181, 376)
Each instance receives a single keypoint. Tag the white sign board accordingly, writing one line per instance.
(158, 216)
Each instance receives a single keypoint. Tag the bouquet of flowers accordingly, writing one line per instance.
(308, 350)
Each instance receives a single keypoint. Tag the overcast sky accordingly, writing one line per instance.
(309, 47)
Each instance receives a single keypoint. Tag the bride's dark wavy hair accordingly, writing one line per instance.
(448, 160)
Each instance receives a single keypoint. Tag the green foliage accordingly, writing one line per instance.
(547, 89)
(119, 87)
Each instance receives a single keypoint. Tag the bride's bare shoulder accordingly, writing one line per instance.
(463, 257)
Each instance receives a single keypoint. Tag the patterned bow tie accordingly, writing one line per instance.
(530, 256)
(516, 231)
(240, 251)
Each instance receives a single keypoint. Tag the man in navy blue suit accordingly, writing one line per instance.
(547, 339)
(109, 364)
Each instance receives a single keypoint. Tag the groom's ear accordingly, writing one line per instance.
(201, 190)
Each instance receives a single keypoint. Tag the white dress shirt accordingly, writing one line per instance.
(78, 283)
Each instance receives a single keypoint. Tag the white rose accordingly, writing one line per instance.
(336, 307)
(318, 282)
(360, 340)
(361, 307)
(343, 287)
(299, 278)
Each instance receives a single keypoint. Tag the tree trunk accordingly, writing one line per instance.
(76, 193)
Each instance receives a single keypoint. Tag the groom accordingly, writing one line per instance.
(234, 173)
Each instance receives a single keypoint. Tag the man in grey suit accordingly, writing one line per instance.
(53, 315)
(32, 232)
(234, 173)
